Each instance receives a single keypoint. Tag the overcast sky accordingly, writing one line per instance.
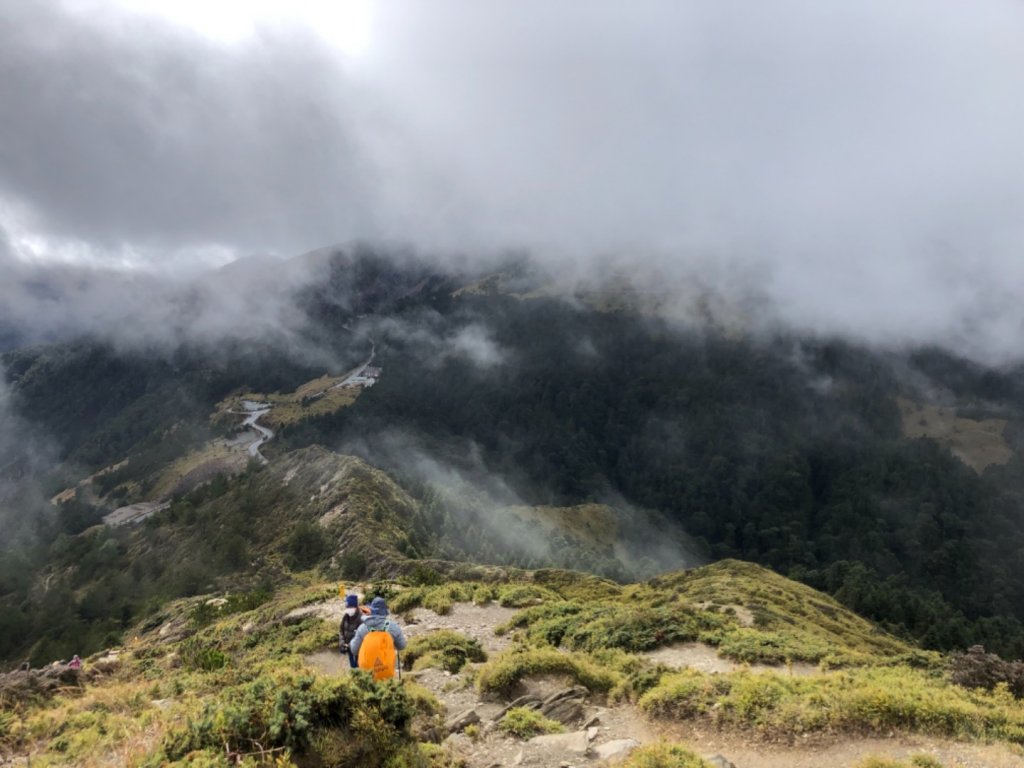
(861, 161)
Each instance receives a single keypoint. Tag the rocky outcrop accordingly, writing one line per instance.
(977, 669)
(565, 706)
(24, 685)
(461, 721)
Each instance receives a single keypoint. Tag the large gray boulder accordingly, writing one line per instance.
(563, 742)
(616, 751)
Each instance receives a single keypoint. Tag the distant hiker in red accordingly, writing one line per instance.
(377, 640)
(75, 663)
(351, 620)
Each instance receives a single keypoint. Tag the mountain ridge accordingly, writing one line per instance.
(787, 451)
(212, 678)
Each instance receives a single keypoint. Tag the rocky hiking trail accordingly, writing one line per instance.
(599, 734)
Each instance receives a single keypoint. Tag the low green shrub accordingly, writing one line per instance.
(443, 649)
(523, 723)
(483, 594)
(613, 625)
(555, 614)
(522, 595)
(421, 699)
(638, 682)
(310, 596)
(353, 565)
(424, 576)
(637, 628)
(437, 598)
(502, 674)
(197, 655)
(438, 602)
(407, 599)
(435, 756)
(8, 728)
(664, 756)
(754, 646)
(386, 589)
(284, 710)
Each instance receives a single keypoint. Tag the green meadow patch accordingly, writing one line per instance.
(872, 700)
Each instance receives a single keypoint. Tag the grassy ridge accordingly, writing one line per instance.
(747, 612)
(799, 621)
(204, 681)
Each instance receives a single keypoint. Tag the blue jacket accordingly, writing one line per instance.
(378, 620)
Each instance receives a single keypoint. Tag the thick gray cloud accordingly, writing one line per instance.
(668, 123)
(119, 131)
(854, 166)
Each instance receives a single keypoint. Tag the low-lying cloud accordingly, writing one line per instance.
(24, 454)
(853, 167)
(478, 499)
(253, 299)
(434, 341)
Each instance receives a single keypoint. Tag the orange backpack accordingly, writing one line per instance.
(377, 653)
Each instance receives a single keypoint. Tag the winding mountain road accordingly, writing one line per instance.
(255, 410)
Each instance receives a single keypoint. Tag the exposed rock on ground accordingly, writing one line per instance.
(22, 685)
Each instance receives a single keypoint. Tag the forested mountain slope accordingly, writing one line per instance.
(792, 452)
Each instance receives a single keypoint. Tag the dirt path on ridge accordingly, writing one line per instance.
(492, 749)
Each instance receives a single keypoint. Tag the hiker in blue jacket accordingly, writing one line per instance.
(379, 619)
